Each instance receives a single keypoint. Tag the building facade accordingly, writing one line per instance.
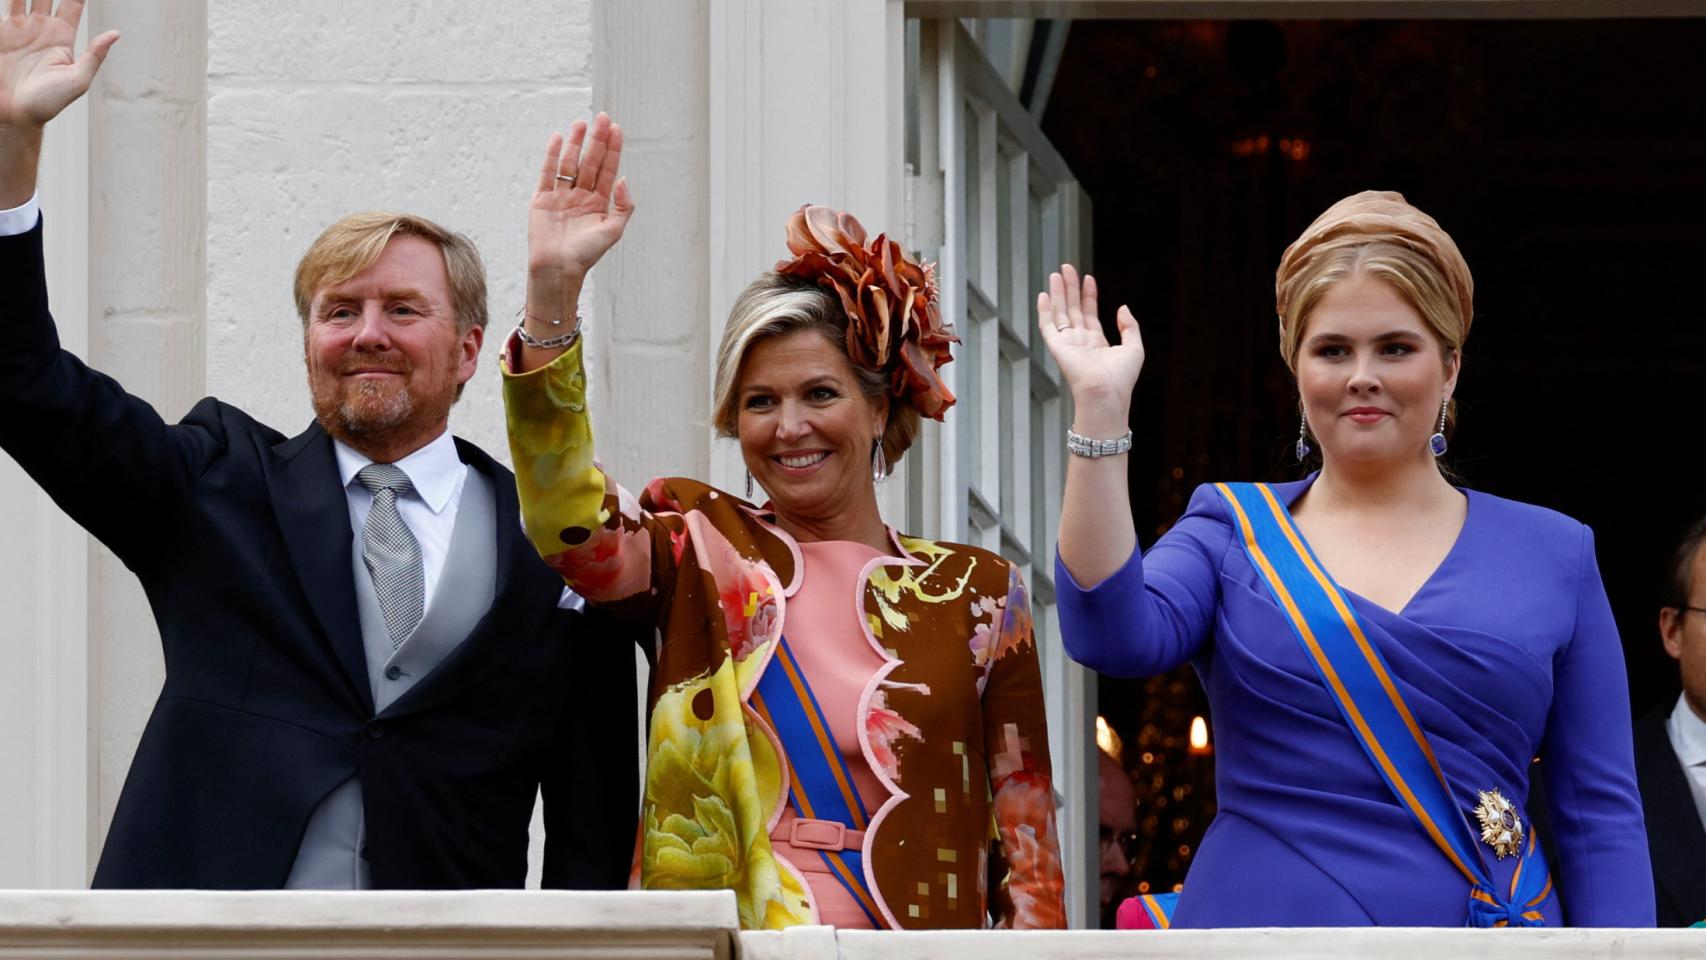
(222, 137)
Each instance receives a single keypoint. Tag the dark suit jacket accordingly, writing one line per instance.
(241, 538)
(1675, 835)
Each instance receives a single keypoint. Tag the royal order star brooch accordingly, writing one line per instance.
(1501, 827)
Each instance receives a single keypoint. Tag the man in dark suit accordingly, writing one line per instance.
(1670, 746)
(369, 672)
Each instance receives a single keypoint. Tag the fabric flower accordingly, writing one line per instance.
(893, 323)
(749, 607)
(747, 590)
(1001, 626)
(1016, 624)
(883, 726)
(1024, 817)
(661, 498)
(701, 759)
(612, 563)
(985, 615)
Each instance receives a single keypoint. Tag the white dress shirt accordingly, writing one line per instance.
(1688, 738)
(20, 219)
(437, 474)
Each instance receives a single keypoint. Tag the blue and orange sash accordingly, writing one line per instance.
(1157, 909)
(820, 787)
(1361, 684)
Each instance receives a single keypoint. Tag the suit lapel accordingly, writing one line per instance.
(524, 598)
(1676, 836)
(313, 514)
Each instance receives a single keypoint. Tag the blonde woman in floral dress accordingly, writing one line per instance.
(846, 722)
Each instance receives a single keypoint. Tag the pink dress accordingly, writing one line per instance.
(834, 653)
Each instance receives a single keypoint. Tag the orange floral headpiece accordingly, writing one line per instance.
(892, 321)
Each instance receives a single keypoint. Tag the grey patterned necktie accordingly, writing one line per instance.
(392, 554)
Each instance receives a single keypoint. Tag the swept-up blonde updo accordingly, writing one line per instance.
(775, 306)
(873, 301)
(1379, 234)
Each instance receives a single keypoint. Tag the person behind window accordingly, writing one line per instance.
(842, 717)
(1384, 652)
(1670, 746)
(1116, 806)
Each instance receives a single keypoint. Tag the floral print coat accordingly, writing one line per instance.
(952, 725)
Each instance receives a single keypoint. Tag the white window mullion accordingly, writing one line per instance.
(983, 363)
(983, 316)
(1018, 504)
(953, 450)
(1008, 207)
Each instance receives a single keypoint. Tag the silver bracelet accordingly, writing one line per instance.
(1079, 445)
(549, 343)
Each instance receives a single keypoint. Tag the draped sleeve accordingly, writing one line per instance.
(1605, 875)
(1156, 611)
(589, 529)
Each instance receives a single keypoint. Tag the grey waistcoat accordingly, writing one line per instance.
(330, 855)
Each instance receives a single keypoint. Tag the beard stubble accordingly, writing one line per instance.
(367, 413)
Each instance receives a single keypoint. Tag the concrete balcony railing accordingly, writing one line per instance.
(516, 925)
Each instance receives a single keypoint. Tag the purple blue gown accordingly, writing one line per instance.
(1508, 652)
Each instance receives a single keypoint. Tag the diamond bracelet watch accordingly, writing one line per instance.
(1079, 445)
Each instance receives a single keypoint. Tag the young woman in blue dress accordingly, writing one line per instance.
(1385, 654)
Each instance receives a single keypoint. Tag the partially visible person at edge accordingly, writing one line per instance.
(1116, 807)
(1670, 746)
(846, 723)
(1371, 613)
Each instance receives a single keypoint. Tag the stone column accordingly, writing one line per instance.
(147, 265)
(652, 323)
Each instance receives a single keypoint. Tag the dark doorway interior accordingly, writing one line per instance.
(1567, 158)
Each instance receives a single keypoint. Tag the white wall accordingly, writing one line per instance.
(317, 109)
(649, 376)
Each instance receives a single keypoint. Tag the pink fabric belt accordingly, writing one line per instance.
(809, 834)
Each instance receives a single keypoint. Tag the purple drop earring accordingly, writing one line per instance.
(1437, 443)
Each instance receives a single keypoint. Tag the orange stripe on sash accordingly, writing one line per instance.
(826, 742)
(1326, 667)
(798, 793)
(1158, 915)
(1355, 627)
(854, 885)
(797, 690)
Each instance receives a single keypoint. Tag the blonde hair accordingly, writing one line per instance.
(775, 306)
(351, 245)
(1413, 274)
